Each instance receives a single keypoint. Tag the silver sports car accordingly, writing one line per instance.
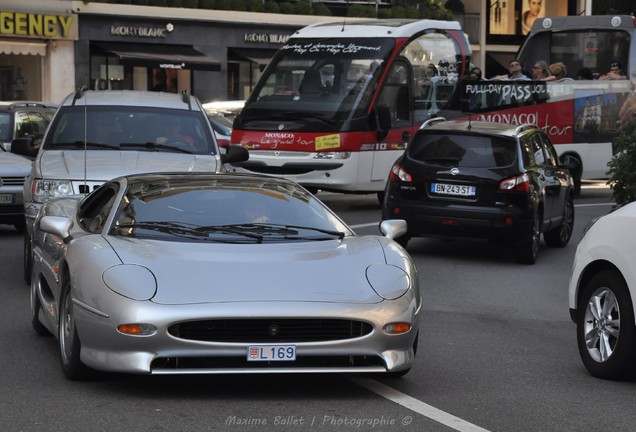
(213, 273)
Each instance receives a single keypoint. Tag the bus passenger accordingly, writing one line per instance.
(541, 72)
(515, 72)
(558, 72)
(615, 73)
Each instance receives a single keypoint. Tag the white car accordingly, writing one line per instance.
(601, 295)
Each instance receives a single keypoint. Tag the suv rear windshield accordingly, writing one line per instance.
(130, 128)
(463, 150)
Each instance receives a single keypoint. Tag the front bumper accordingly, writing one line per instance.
(104, 348)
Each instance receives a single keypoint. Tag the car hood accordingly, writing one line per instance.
(319, 271)
(108, 164)
(13, 165)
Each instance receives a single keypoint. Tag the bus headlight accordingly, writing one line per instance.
(42, 190)
(333, 155)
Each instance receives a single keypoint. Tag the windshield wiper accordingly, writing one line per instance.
(287, 231)
(187, 230)
(155, 146)
(81, 144)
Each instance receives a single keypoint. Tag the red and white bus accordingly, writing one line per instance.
(337, 104)
(581, 116)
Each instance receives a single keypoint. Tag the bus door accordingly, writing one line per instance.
(394, 113)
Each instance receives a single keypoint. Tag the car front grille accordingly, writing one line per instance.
(12, 181)
(270, 330)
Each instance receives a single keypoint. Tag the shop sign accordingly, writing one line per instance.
(36, 25)
(139, 31)
(266, 38)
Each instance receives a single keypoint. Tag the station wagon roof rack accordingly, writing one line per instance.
(432, 121)
(523, 128)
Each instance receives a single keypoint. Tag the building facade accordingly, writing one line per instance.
(48, 49)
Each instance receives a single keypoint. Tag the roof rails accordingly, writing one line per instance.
(432, 121)
(523, 128)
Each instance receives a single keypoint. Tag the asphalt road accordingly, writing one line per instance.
(497, 353)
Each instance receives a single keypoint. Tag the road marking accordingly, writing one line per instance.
(417, 406)
(375, 224)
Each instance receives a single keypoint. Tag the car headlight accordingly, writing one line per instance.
(333, 155)
(42, 190)
(132, 281)
(389, 282)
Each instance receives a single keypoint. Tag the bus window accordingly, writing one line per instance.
(434, 59)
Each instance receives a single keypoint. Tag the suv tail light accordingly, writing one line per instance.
(520, 183)
(398, 174)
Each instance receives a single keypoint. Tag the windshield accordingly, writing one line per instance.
(463, 150)
(320, 83)
(238, 210)
(130, 128)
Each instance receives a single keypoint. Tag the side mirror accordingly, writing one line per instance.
(393, 228)
(24, 147)
(58, 226)
(384, 121)
(570, 162)
(235, 153)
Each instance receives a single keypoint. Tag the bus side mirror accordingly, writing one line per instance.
(384, 121)
(24, 147)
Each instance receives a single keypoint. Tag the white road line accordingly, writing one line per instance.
(417, 406)
(375, 224)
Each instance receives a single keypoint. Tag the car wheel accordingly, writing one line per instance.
(36, 306)
(560, 236)
(27, 257)
(526, 252)
(69, 342)
(605, 331)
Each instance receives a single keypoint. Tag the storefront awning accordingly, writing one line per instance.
(162, 56)
(22, 48)
(259, 56)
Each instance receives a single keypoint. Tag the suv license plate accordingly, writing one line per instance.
(456, 190)
(271, 353)
(6, 199)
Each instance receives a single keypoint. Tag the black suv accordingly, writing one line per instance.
(23, 119)
(482, 180)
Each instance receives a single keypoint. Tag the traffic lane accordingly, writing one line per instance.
(500, 338)
(36, 395)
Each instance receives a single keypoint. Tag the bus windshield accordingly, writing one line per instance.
(318, 83)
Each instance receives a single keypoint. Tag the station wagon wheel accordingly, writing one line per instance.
(560, 236)
(605, 331)
(527, 250)
(69, 342)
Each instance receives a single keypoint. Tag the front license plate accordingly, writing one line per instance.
(6, 199)
(455, 190)
(271, 353)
